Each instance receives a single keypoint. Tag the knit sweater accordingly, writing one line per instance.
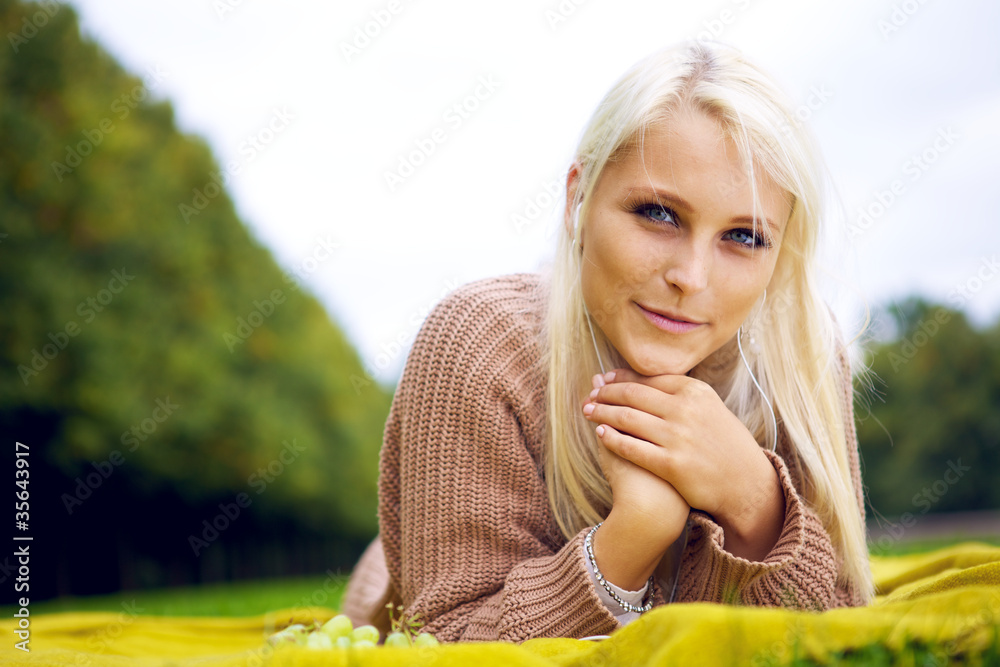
(468, 536)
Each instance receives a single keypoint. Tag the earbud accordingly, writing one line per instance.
(753, 343)
(576, 222)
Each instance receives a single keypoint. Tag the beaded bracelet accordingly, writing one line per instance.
(648, 602)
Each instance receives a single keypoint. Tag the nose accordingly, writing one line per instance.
(688, 269)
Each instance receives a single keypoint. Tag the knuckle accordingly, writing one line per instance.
(627, 419)
(692, 386)
(625, 447)
(630, 392)
(664, 463)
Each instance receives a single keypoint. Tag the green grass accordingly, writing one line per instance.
(248, 598)
(252, 598)
(906, 548)
(914, 653)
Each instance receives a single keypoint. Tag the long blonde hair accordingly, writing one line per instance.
(797, 361)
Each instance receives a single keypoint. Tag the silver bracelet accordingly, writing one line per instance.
(648, 601)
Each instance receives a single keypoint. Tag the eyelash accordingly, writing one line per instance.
(645, 208)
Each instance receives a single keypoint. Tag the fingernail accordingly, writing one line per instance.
(593, 394)
(588, 408)
(609, 376)
(600, 430)
(597, 381)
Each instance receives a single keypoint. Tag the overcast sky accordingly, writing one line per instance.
(336, 94)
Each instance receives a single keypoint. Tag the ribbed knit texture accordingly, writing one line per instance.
(469, 540)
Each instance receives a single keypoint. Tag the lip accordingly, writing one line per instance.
(669, 321)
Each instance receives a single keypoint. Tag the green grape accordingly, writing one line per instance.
(364, 632)
(282, 637)
(338, 626)
(338, 632)
(425, 639)
(297, 629)
(319, 641)
(397, 640)
(293, 634)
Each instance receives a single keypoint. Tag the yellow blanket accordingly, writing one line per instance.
(947, 599)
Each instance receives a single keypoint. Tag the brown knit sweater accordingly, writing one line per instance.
(468, 536)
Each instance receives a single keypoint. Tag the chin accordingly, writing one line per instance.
(650, 365)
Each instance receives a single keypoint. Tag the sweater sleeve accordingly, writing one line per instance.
(801, 569)
(632, 597)
(463, 507)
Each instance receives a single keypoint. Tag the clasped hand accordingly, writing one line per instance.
(678, 429)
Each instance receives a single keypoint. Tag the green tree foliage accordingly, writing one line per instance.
(112, 301)
(930, 441)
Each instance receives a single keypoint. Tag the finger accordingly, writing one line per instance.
(635, 395)
(670, 384)
(642, 453)
(628, 420)
(608, 458)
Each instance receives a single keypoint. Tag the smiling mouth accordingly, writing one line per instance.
(669, 323)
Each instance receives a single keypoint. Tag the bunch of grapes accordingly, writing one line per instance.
(339, 632)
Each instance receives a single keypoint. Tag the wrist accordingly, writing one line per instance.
(753, 524)
(627, 552)
(631, 602)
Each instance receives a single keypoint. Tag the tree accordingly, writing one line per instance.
(929, 430)
(157, 360)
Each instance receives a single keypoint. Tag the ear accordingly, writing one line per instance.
(572, 182)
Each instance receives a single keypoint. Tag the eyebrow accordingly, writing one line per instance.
(681, 203)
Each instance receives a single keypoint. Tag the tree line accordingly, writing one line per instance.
(188, 404)
(929, 413)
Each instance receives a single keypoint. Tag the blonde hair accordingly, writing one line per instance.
(797, 363)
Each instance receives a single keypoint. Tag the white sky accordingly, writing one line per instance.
(231, 63)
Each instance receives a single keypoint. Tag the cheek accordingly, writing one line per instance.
(737, 310)
(615, 267)
(742, 297)
(623, 255)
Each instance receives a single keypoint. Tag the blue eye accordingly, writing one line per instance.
(658, 214)
(747, 238)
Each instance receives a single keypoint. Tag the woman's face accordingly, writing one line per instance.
(672, 265)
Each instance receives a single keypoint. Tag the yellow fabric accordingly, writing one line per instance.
(948, 598)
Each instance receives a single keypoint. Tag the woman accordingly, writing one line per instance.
(664, 416)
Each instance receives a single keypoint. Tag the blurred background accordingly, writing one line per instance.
(222, 223)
